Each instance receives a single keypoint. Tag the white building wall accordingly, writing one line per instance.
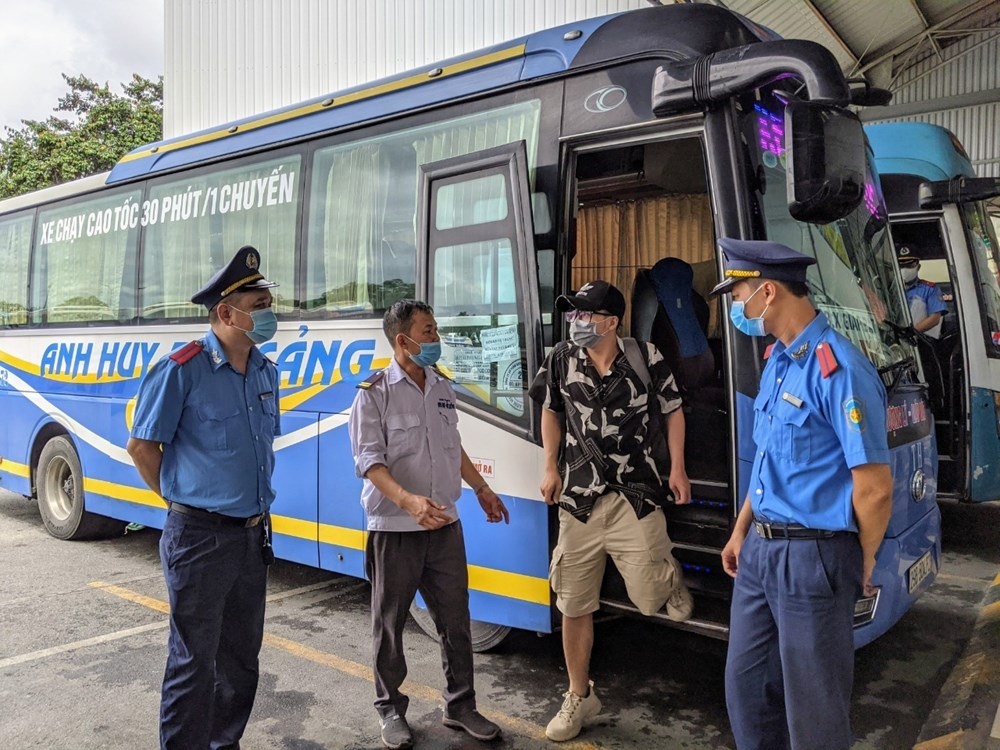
(229, 59)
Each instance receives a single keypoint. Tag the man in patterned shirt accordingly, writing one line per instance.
(606, 480)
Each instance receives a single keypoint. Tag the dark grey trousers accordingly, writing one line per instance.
(400, 563)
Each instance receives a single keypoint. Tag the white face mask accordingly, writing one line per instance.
(909, 275)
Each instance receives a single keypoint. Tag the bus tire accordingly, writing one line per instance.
(59, 484)
(485, 635)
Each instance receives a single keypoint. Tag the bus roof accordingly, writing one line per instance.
(673, 32)
(928, 151)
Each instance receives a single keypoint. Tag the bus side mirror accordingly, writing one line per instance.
(826, 161)
(958, 190)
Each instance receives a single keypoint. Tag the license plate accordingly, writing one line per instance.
(919, 571)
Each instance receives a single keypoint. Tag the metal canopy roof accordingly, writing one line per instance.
(877, 40)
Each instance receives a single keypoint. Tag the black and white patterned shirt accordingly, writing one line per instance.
(606, 445)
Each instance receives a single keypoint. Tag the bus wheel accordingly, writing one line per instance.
(59, 481)
(485, 635)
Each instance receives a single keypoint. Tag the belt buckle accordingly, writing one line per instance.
(764, 529)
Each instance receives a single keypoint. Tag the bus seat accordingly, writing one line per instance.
(672, 279)
(649, 321)
(664, 312)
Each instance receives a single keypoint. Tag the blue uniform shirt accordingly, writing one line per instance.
(217, 428)
(810, 431)
(930, 294)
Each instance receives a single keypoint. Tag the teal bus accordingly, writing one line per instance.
(937, 209)
(487, 185)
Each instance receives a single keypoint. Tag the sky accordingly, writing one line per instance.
(105, 40)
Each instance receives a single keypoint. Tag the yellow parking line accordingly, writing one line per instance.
(146, 601)
(352, 668)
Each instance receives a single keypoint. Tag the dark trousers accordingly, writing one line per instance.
(217, 581)
(791, 650)
(400, 563)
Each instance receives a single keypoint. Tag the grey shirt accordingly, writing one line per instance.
(414, 434)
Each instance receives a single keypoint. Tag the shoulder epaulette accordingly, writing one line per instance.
(828, 363)
(187, 352)
(439, 372)
(373, 379)
(767, 351)
(929, 283)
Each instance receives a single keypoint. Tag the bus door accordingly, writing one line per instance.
(942, 357)
(960, 244)
(639, 215)
(476, 267)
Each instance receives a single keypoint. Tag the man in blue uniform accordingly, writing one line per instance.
(924, 297)
(205, 421)
(406, 446)
(803, 546)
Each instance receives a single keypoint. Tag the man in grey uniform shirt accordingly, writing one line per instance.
(404, 436)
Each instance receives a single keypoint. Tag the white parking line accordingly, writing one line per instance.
(149, 602)
(87, 642)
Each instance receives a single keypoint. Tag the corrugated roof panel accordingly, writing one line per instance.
(793, 20)
(969, 66)
(871, 28)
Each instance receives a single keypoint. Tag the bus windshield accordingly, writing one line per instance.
(854, 281)
(986, 265)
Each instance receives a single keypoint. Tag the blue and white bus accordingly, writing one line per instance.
(937, 209)
(486, 185)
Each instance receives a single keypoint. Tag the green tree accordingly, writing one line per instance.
(97, 128)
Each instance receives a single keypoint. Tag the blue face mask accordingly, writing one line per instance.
(749, 326)
(429, 353)
(265, 324)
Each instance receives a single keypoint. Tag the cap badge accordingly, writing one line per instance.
(252, 261)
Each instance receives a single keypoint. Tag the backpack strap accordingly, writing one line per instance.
(636, 360)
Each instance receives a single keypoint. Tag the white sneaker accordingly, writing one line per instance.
(575, 711)
(680, 605)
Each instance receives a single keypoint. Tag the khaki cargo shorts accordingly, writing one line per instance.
(640, 550)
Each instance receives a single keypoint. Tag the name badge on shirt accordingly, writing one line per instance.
(793, 400)
(266, 396)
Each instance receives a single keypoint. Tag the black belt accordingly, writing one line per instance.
(216, 518)
(769, 530)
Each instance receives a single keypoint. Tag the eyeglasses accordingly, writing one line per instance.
(584, 316)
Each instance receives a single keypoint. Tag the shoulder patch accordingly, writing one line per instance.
(374, 379)
(187, 352)
(828, 363)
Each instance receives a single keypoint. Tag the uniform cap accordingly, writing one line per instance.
(760, 259)
(241, 274)
(594, 295)
(906, 255)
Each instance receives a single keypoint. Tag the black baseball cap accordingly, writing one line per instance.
(595, 296)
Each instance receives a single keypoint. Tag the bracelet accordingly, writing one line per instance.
(480, 488)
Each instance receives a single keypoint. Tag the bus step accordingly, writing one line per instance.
(710, 617)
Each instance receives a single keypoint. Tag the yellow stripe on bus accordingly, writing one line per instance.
(355, 96)
(487, 580)
(123, 492)
(13, 467)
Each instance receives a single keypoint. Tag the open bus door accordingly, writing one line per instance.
(476, 267)
(944, 224)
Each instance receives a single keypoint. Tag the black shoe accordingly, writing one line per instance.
(471, 721)
(396, 734)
